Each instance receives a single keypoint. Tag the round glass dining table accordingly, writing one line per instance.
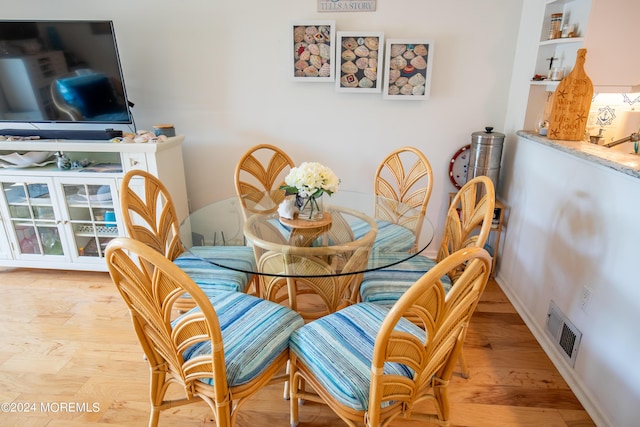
(359, 232)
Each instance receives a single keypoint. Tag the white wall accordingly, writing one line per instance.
(219, 70)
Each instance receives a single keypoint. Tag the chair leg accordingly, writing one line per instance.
(154, 417)
(286, 395)
(293, 402)
(462, 362)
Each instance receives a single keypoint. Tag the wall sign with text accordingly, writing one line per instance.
(346, 5)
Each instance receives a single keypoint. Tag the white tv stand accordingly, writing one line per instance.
(53, 218)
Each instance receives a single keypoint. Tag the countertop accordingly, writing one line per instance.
(628, 164)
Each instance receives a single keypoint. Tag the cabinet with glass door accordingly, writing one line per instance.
(90, 218)
(31, 217)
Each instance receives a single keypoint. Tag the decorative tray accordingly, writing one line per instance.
(305, 223)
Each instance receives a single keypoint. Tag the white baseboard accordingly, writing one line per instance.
(568, 374)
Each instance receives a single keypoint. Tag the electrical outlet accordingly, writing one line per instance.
(585, 299)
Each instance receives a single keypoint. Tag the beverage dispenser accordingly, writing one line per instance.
(485, 155)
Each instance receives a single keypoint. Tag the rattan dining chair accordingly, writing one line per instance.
(222, 352)
(258, 176)
(471, 210)
(404, 181)
(149, 216)
(369, 364)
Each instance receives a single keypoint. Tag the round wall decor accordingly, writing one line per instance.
(459, 166)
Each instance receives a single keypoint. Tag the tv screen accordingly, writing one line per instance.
(61, 72)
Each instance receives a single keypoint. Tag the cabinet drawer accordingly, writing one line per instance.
(132, 161)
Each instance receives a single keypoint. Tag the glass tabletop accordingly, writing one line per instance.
(358, 232)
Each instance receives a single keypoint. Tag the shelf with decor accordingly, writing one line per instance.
(555, 51)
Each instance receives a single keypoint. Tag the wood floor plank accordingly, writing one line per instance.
(67, 337)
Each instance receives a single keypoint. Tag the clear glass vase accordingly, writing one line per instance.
(311, 208)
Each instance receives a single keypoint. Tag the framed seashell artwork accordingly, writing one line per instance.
(359, 61)
(312, 51)
(408, 64)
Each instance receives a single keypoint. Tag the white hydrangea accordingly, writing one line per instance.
(311, 179)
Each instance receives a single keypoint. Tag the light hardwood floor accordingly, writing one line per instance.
(69, 357)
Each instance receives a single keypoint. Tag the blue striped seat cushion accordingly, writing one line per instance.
(338, 349)
(254, 331)
(212, 278)
(386, 286)
(390, 238)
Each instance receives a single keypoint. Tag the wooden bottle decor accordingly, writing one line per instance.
(571, 103)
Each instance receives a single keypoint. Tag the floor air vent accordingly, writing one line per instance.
(566, 337)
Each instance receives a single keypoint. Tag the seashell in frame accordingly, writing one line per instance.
(309, 39)
(305, 55)
(408, 71)
(298, 34)
(372, 42)
(316, 61)
(298, 48)
(406, 90)
(418, 90)
(371, 73)
(419, 63)
(301, 65)
(325, 51)
(325, 70)
(310, 71)
(311, 30)
(394, 90)
(417, 80)
(349, 68)
(361, 51)
(365, 83)
(348, 55)
(397, 49)
(349, 80)
(401, 81)
(397, 63)
(393, 76)
(420, 50)
(349, 43)
(362, 63)
(325, 30)
(373, 54)
(408, 55)
(314, 49)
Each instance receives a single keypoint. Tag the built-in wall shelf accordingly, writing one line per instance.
(562, 40)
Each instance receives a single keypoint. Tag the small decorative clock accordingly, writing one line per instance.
(459, 167)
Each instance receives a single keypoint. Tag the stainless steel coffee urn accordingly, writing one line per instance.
(485, 155)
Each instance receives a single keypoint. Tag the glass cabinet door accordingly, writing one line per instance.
(32, 217)
(91, 216)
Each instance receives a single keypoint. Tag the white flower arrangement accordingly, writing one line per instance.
(308, 182)
(311, 179)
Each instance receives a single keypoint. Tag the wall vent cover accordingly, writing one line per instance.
(566, 337)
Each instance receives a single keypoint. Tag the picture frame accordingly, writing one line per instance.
(408, 65)
(359, 59)
(312, 53)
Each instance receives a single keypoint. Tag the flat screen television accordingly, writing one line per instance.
(61, 72)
